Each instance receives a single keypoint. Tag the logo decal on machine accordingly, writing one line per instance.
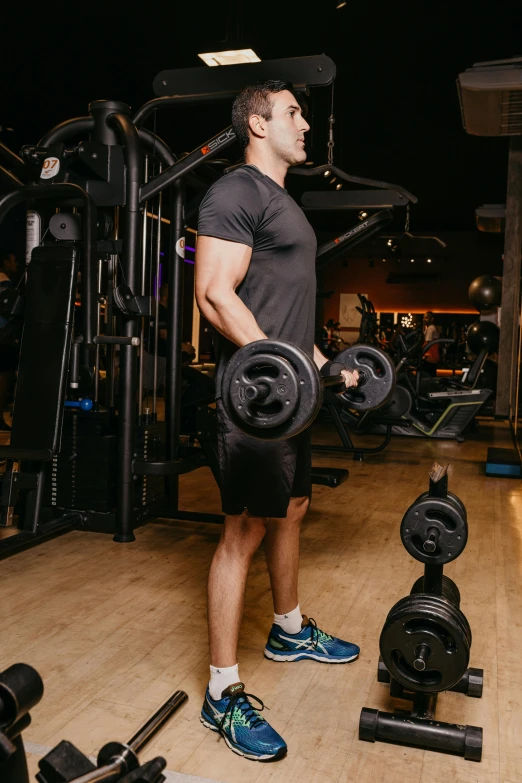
(50, 168)
(227, 135)
(352, 232)
(180, 247)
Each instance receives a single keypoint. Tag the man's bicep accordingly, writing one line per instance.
(221, 265)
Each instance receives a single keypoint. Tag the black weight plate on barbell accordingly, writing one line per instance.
(423, 619)
(377, 373)
(426, 514)
(450, 591)
(293, 383)
(277, 378)
(454, 499)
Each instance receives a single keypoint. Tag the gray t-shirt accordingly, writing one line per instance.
(279, 287)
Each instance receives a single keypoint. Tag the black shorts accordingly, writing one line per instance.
(261, 475)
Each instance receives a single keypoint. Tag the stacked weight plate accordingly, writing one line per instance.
(426, 639)
(425, 643)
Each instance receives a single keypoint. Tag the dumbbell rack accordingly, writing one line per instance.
(426, 639)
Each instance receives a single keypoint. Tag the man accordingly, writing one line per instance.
(255, 279)
(431, 358)
(8, 348)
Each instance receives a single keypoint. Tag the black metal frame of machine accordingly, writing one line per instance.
(106, 169)
(89, 186)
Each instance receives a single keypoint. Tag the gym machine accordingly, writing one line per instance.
(89, 185)
(21, 688)
(441, 407)
(426, 639)
(421, 406)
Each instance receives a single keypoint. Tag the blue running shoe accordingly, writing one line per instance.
(241, 726)
(310, 642)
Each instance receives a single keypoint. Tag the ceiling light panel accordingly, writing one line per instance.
(232, 57)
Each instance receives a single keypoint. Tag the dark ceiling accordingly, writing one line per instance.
(397, 109)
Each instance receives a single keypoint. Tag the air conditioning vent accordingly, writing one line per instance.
(491, 98)
(491, 218)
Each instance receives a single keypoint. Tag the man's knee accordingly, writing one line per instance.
(244, 532)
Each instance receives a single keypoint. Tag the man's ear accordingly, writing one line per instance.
(257, 125)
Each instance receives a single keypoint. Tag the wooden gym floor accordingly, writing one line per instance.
(113, 629)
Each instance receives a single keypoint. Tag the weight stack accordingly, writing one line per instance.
(426, 639)
(82, 476)
(150, 445)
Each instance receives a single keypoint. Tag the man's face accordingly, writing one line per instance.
(428, 319)
(286, 130)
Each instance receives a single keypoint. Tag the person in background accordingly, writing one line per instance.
(337, 344)
(331, 345)
(393, 340)
(8, 351)
(323, 338)
(462, 344)
(431, 358)
(452, 332)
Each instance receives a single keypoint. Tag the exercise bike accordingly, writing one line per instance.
(435, 407)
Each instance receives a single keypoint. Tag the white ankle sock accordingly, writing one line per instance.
(291, 622)
(221, 679)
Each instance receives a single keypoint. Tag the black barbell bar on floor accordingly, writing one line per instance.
(117, 758)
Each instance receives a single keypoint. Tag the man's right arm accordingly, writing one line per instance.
(220, 267)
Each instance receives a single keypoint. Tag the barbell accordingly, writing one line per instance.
(273, 390)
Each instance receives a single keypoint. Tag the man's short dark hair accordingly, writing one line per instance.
(255, 99)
